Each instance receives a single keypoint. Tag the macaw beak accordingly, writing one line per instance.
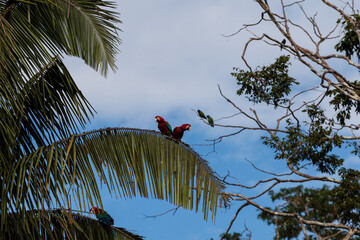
(156, 120)
(189, 128)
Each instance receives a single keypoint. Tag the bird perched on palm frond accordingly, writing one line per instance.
(282, 44)
(201, 114)
(179, 131)
(210, 120)
(163, 125)
(102, 216)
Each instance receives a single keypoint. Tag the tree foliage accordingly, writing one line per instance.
(315, 129)
(63, 224)
(269, 84)
(326, 204)
(232, 236)
(349, 43)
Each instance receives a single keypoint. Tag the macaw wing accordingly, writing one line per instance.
(178, 133)
(105, 218)
(168, 126)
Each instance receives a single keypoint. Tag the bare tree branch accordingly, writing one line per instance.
(234, 218)
(295, 112)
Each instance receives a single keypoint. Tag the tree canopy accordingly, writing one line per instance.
(317, 128)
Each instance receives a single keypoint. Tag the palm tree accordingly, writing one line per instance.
(46, 168)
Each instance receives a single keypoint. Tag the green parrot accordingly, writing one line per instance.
(210, 120)
(201, 114)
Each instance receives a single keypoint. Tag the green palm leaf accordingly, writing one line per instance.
(87, 29)
(61, 224)
(33, 32)
(47, 107)
(129, 162)
(39, 102)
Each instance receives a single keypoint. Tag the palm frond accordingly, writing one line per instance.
(86, 30)
(129, 162)
(47, 107)
(60, 224)
(32, 33)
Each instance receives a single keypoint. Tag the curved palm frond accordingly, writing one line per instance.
(61, 224)
(129, 162)
(33, 32)
(87, 30)
(47, 107)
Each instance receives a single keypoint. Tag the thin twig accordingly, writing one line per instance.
(174, 210)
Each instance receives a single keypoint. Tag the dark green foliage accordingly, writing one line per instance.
(349, 43)
(268, 84)
(39, 123)
(60, 223)
(323, 205)
(315, 145)
(347, 197)
(315, 138)
(233, 236)
(343, 104)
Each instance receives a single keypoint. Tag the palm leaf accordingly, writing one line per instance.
(33, 32)
(47, 107)
(129, 162)
(87, 30)
(61, 224)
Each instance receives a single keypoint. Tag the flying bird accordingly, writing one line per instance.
(163, 126)
(102, 216)
(179, 131)
(282, 44)
(201, 114)
(210, 120)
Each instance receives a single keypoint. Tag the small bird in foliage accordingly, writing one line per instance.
(201, 114)
(102, 216)
(210, 120)
(163, 126)
(282, 44)
(179, 131)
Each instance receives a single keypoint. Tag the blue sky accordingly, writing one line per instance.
(173, 56)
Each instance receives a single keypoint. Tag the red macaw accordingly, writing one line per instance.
(163, 125)
(102, 215)
(179, 131)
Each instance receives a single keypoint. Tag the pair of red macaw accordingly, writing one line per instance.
(165, 128)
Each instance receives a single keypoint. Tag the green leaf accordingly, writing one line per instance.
(268, 84)
(129, 162)
(61, 224)
(47, 107)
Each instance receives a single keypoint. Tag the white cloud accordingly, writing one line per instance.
(172, 58)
